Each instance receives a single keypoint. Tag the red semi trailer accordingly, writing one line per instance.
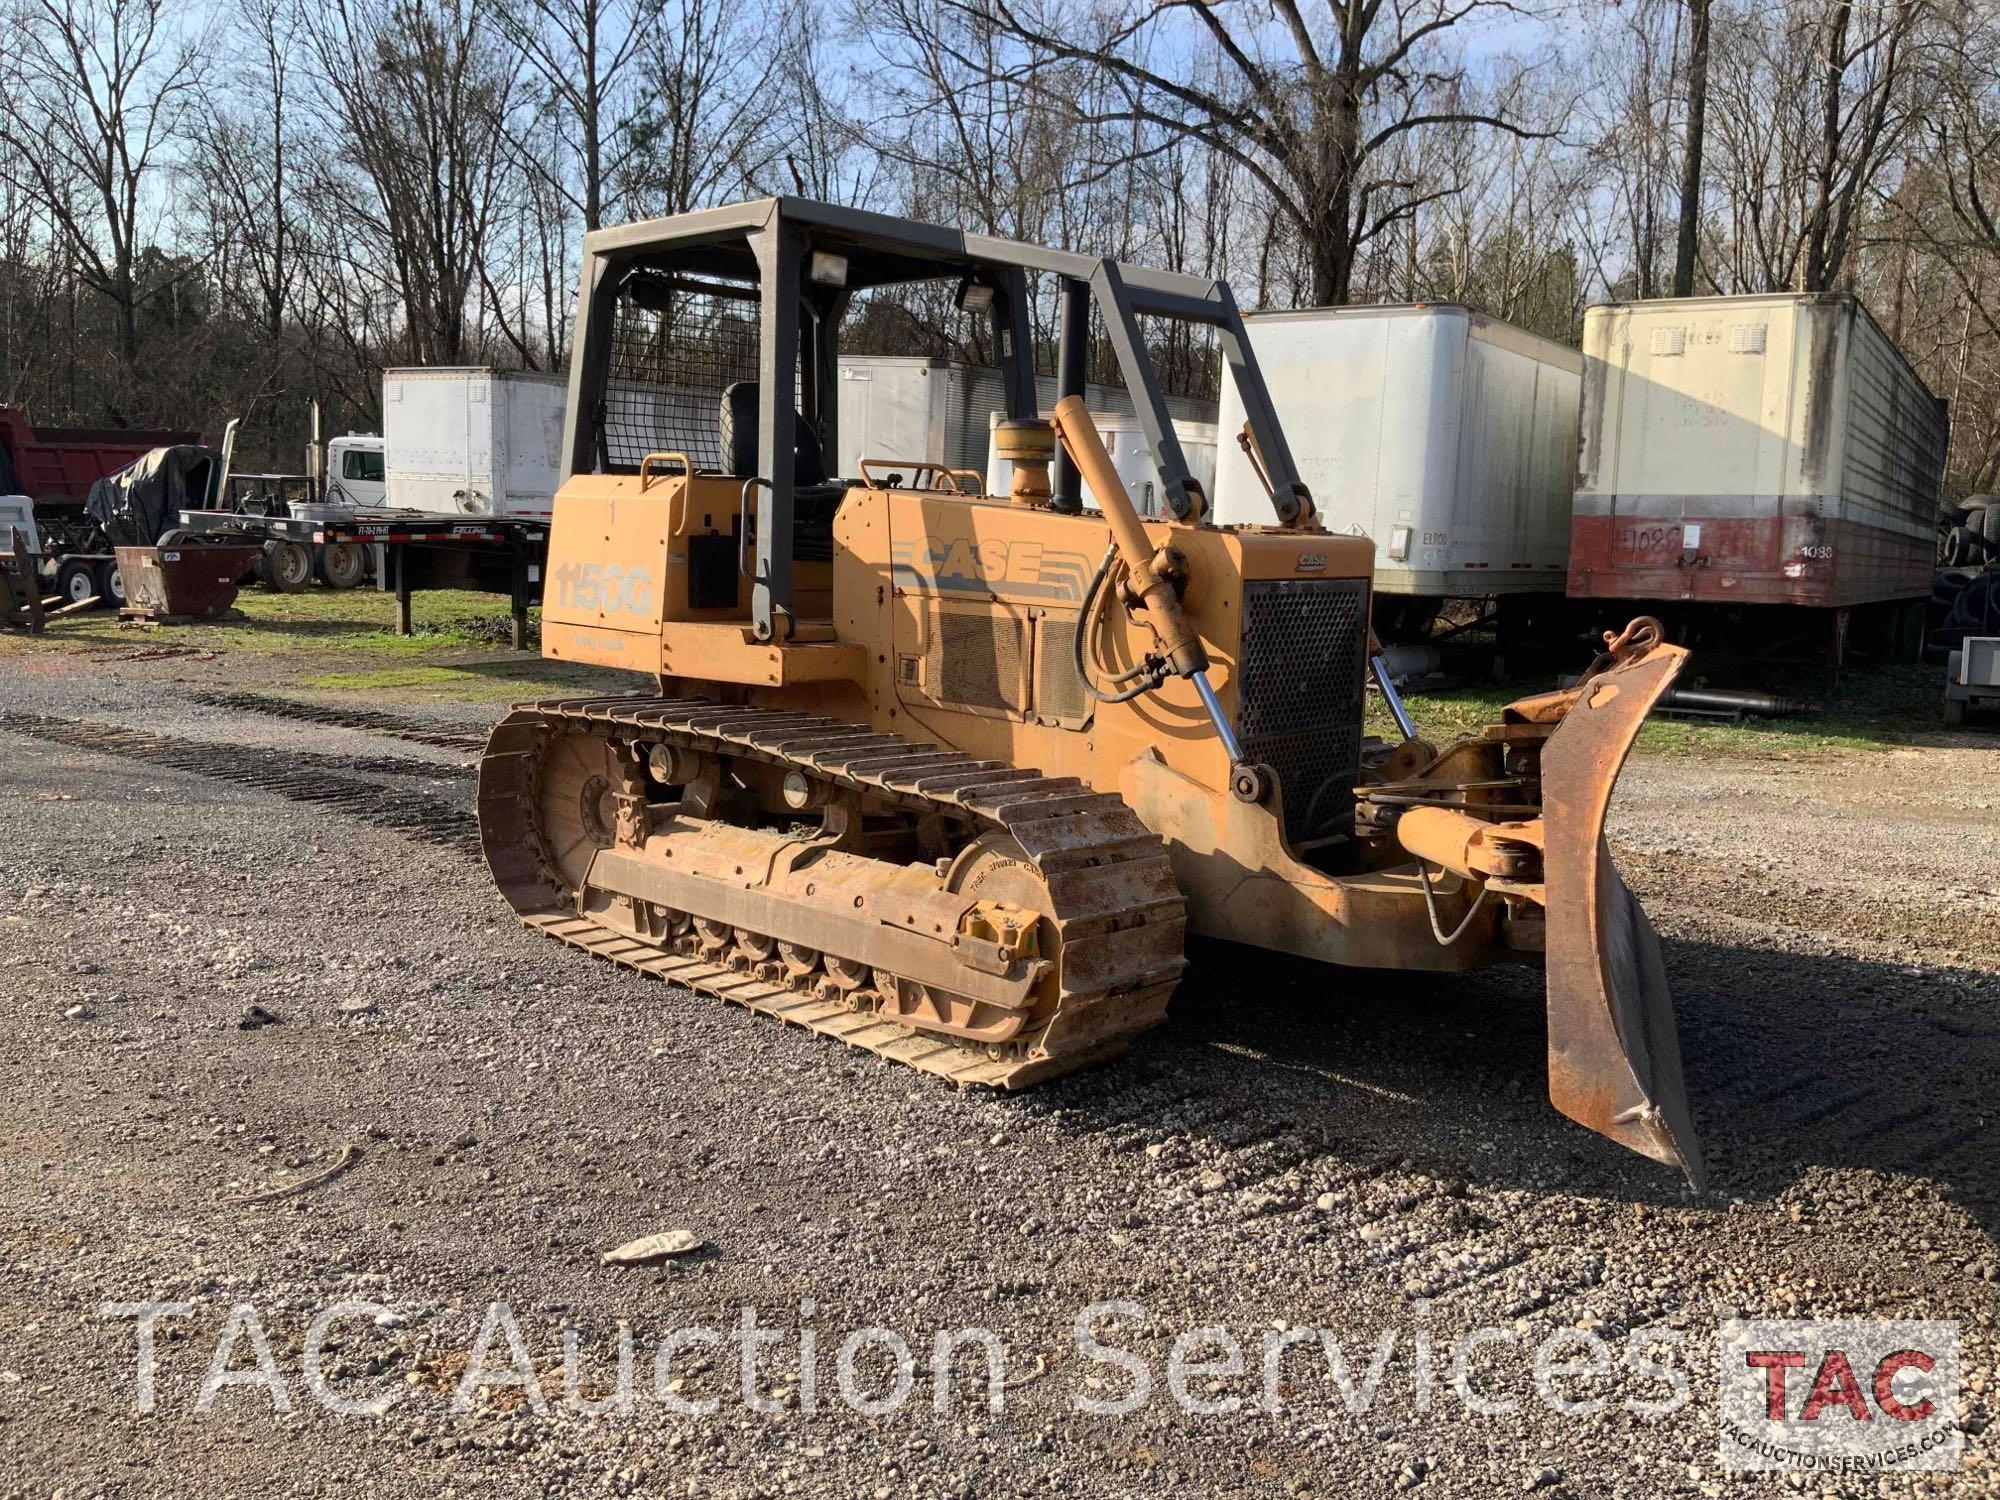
(1772, 462)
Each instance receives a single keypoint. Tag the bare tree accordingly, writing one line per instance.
(816, 147)
(703, 131)
(1697, 112)
(1863, 110)
(245, 161)
(1811, 106)
(1631, 136)
(583, 51)
(98, 91)
(419, 96)
(1310, 108)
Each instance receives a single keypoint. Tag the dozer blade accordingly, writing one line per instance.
(1614, 1057)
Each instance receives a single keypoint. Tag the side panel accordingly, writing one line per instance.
(1402, 471)
(1891, 472)
(981, 601)
(528, 426)
(485, 448)
(607, 582)
(886, 412)
(1511, 510)
(1329, 381)
(427, 426)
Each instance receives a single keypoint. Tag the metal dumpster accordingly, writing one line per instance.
(190, 580)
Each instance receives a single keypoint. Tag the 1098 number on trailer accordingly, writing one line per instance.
(607, 587)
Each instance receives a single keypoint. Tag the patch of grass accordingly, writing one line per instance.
(344, 642)
(1873, 708)
(318, 619)
(315, 621)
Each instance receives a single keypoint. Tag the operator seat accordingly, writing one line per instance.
(814, 498)
(738, 432)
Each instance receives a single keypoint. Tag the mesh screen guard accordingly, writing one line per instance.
(675, 347)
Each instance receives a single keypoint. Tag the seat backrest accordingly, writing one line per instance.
(738, 432)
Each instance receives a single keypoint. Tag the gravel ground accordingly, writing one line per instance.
(1297, 1150)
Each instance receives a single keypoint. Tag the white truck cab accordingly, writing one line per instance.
(357, 472)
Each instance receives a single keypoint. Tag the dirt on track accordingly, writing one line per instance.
(1297, 1149)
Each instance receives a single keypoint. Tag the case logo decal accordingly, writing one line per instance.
(992, 567)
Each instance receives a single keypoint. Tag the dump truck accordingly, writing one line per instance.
(951, 777)
(56, 466)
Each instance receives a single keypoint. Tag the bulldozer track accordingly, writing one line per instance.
(367, 720)
(1119, 917)
(300, 776)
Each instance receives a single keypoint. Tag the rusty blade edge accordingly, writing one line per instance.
(1614, 1056)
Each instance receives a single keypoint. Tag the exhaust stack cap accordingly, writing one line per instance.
(1029, 444)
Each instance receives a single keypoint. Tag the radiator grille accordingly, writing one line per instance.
(976, 660)
(1058, 690)
(1305, 649)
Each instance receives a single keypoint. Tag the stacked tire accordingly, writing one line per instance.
(1969, 532)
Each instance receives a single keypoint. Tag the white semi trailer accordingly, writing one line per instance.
(1131, 455)
(1775, 449)
(1447, 436)
(468, 440)
(940, 411)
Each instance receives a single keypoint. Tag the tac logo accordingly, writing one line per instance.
(990, 566)
(1839, 1396)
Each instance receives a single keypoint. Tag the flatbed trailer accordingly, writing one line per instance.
(415, 550)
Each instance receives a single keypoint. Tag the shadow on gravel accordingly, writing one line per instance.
(1800, 1062)
(1821, 1060)
(1377, 1071)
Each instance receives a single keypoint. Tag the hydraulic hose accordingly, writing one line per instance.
(1086, 626)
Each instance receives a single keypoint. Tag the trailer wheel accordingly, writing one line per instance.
(342, 565)
(76, 581)
(288, 566)
(111, 583)
(173, 538)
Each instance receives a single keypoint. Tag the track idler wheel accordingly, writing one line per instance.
(799, 963)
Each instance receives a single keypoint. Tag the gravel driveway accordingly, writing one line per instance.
(1307, 1161)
